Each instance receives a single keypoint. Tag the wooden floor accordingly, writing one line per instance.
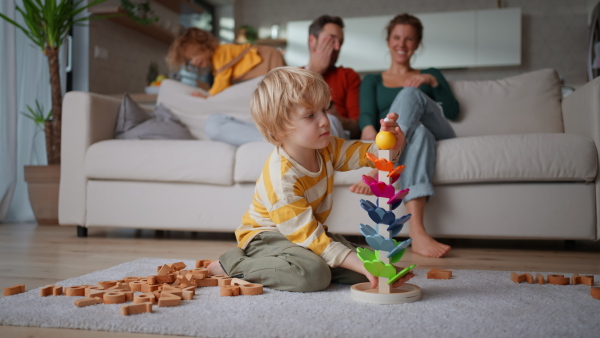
(40, 255)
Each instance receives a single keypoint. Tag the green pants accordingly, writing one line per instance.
(273, 261)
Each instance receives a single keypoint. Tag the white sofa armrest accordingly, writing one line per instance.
(87, 118)
(581, 116)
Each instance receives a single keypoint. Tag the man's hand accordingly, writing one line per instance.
(419, 79)
(320, 54)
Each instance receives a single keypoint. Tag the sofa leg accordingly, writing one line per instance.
(81, 231)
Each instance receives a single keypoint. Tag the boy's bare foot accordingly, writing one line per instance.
(215, 268)
(361, 187)
(425, 245)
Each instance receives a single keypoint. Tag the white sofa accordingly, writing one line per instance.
(525, 165)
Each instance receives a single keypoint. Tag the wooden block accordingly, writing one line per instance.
(121, 287)
(136, 286)
(203, 263)
(439, 274)
(558, 279)
(88, 301)
(191, 289)
(151, 280)
(529, 278)
(174, 291)
(130, 279)
(78, 290)
(199, 273)
(46, 290)
(187, 295)
(540, 278)
(108, 284)
(114, 297)
(575, 279)
(134, 309)
(167, 299)
(230, 290)
(95, 288)
(164, 279)
(210, 281)
(251, 289)
(149, 288)
(237, 281)
(518, 278)
(144, 298)
(13, 290)
(224, 281)
(164, 270)
(95, 293)
(595, 292)
(179, 266)
(186, 281)
(587, 280)
(57, 290)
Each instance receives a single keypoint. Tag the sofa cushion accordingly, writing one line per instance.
(522, 104)
(249, 161)
(186, 161)
(193, 111)
(508, 158)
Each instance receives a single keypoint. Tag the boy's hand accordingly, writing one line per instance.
(389, 124)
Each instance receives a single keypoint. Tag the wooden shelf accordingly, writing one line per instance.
(121, 17)
(277, 43)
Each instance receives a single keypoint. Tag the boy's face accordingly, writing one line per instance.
(311, 131)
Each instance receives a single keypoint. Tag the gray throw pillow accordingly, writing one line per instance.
(134, 122)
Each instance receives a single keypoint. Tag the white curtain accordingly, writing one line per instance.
(24, 78)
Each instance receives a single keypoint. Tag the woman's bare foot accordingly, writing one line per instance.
(361, 187)
(215, 268)
(425, 245)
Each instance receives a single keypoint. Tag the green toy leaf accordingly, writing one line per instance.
(366, 255)
(380, 269)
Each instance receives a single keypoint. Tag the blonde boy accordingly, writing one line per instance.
(283, 242)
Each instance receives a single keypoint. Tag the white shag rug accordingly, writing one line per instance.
(471, 304)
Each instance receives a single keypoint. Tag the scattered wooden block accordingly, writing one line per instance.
(136, 286)
(134, 309)
(540, 278)
(518, 278)
(57, 290)
(94, 288)
(88, 301)
(575, 279)
(595, 292)
(144, 298)
(95, 293)
(164, 270)
(529, 278)
(146, 288)
(439, 274)
(178, 266)
(587, 280)
(46, 290)
(210, 281)
(224, 281)
(167, 299)
(130, 279)
(558, 279)
(13, 290)
(251, 289)
(237, 281)
(114, 297)
(187, 294)
(203, 263)
(230, 290)
(78, 290)
(108, 284)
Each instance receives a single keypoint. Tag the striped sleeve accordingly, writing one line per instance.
(350, 155)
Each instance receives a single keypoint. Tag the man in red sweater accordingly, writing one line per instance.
(325, 40)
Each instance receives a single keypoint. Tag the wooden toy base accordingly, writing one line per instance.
(406, 293)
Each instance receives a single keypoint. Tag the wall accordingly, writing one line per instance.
(119, 57)
(554, 32)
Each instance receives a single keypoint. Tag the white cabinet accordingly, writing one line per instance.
(450, 40)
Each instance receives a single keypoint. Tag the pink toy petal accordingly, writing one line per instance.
(399, 196)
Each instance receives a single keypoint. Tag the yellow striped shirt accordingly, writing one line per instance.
(296, 202)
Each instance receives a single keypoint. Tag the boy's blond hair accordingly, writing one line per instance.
(276, 96)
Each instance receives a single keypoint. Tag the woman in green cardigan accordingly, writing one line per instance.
(424, 102)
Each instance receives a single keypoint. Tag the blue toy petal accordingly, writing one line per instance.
(381, 216)
(367, 205)
(396, 227)
(395, 205)
(388, 218)
(367, 230)
(400, 247)
(381, 243)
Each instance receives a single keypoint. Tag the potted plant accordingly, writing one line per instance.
(47, 23)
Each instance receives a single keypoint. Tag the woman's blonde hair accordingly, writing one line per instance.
(277, 96)
(193, 37)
